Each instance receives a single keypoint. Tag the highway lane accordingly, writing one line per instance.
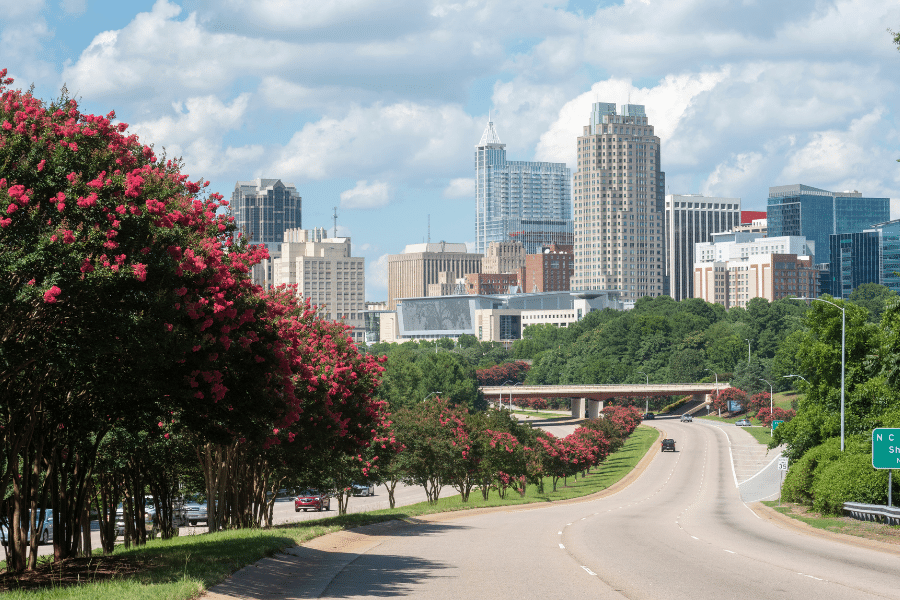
(680, 531)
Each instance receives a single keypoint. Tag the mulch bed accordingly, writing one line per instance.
(72, 571)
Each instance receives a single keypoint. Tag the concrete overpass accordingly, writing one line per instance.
(590, 398)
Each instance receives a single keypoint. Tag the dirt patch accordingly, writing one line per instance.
(72, 571)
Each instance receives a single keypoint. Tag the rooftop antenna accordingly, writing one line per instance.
(335, 221)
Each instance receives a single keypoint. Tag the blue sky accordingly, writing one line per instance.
(374, 106)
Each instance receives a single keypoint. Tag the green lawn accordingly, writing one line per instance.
(846, 525)
(181, 568)
(543, 416)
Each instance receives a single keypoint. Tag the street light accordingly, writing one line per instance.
(647, 398)
(430, 395)
(514, 384)
(800, 376)
(748, 350)
(843, 354)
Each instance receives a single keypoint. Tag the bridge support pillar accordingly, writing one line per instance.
(577, 407)
(594, 408)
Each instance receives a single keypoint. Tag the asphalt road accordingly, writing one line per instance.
(680, 531)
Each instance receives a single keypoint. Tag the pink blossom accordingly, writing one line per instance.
(140, 271)
(31, 281)
(40, 166)
(51, 294)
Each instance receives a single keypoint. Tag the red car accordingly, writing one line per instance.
(312, 500)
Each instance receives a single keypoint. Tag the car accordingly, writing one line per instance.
(196, 512)
(312, 500)
(687, 418)
(743, 423)
(649, 415)
(363, 489)
(45, 528)
(667, 444)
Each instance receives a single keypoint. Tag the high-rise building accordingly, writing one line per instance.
(549, 271)
(326, 274)
(528, 202)
(618, 198)
(503, 257)
(889, 246)
(770, 276)
(410, 274)
(690, 220)
(816, 214)
(855, 260)
(264, 209)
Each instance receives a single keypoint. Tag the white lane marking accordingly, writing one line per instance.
(559, 532)
(695, 537)
(567, 524)
(752, 511)
(589, 572)
(811, 577)
(731, 456)
(584, 518)
(763, 469)
(561, 546)
(729, 551)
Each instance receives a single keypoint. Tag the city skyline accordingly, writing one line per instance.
(375, 107)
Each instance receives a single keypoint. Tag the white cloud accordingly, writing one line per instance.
(377, 276)
(366, 195)
(196, 130)
(462, 187)
(731, 177)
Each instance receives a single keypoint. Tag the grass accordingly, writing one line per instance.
(544, 416)
(839, 524)
(181, 568)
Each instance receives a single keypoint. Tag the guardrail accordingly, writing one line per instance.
(873, 512)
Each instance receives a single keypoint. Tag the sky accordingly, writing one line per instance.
(375, 106)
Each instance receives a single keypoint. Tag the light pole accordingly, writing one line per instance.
(748, 350)
(717, 388)
(843, 354)
(430, 395)
(800, 376)
(514, 383)
(647, 399)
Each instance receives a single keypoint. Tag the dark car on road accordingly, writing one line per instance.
(312, 500)
(649, 415)
(668, 444)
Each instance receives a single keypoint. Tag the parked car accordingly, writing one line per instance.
(46, 529)
(363, 489)
(687, 418)
(312, 500)
(196, 512)
(743, 423)
(649, 415)
(668, 444)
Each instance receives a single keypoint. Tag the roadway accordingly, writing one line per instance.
(680, 531)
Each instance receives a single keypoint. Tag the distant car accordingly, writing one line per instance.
(668, 444)
(743, 423)
(196, 512)
(46, 529)
(687, 418)
(312, 500)
(362, 489)
(649, 415)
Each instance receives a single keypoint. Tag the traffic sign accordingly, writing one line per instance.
(783, 463)
(886, 448)
(775, 424)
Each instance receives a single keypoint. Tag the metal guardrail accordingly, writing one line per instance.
(873, 512)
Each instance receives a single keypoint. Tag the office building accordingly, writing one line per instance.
(495, 318)
(855, 260)
(549, 271)
(618, 204)
(503, 257)
(889, 246)
(817, 214)
(690, 220)
(487, 284)
(264, 209)
(528, 202)
(410, 274)
(324, 272)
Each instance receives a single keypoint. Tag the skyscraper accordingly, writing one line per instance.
(264, 209)
(529, 202)
(619, 204)
(816, 214)
(691, 220)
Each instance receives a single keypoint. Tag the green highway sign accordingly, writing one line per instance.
(775, 424)
(886, 448)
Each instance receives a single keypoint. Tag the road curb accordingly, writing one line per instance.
(767, 513)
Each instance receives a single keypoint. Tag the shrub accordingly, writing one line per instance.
(849, 478)
(798, 483)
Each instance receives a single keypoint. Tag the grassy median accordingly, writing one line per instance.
(183, 567)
